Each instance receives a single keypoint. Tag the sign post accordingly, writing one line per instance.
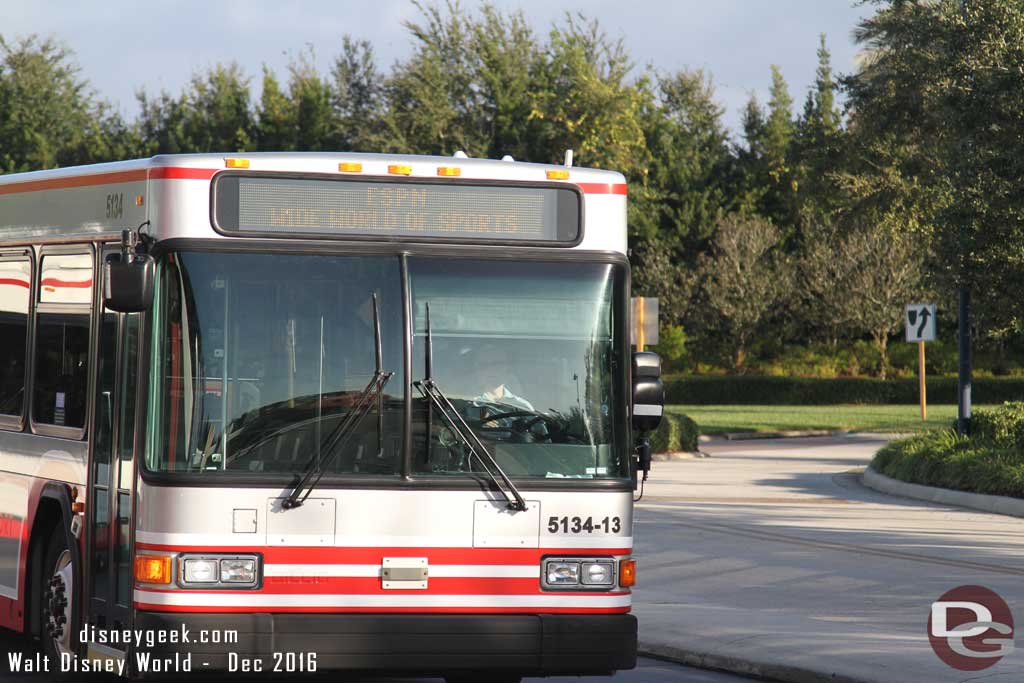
(919, 321)
(923, 387)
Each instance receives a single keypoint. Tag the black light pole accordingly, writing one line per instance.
(963, 410)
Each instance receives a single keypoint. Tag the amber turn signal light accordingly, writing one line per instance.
(153, 568)
(627, 573)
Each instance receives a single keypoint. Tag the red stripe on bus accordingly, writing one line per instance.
(74, 181)
(180, 173)
(343, 555)
(371, 585)
(603, 188)
(140, 175)
(12, 281)
(54, 282)
(371, 610)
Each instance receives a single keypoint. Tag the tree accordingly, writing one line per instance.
(433, 107)
(765, 161)
(689, 183)
(656, 275)
(315, 122)
(884, 275)
(358, 98)
(212, 114)
(275, 124)
(744, 279)
(48, 115)
(586, 102)
(936, 108)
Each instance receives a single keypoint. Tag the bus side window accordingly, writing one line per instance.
(62, 340)
(15, 285)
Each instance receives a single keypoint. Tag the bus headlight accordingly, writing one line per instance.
(218, 571)
(199, 571)
(562, 573)
(238, 571)
(597, 573)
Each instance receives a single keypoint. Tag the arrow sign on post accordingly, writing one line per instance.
(919, 321)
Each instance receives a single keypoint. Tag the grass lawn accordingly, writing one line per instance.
(864, 418)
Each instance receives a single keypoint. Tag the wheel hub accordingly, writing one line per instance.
(57, 604)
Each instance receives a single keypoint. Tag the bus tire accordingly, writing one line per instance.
(56, 632)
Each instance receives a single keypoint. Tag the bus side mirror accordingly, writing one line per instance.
(648, 392)
(128, 282)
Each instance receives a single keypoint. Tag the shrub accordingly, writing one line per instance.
(989, 460)
(677, 432)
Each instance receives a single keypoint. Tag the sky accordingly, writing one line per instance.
(124, 45)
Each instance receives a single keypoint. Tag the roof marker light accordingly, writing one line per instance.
(558, 175)
(449, 170)
(139, 200)
(231, 162)
(350, 167)
(400, 169)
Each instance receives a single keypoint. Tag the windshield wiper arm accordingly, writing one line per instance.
(340, 435)
(428, 387)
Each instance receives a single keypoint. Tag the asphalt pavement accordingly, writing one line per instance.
(770, 556)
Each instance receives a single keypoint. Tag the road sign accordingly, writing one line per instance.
(644, 328)
(919, 320)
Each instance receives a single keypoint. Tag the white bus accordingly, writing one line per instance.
(321, 412)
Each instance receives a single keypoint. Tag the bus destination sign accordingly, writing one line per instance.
(459, 211)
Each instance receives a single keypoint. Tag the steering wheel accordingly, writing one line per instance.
(523, 425)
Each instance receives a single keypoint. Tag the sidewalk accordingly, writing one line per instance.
(770, 558)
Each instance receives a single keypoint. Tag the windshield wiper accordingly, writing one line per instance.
(428, 387)
(371, 394)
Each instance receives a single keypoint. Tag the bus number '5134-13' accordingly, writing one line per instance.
(577, 525)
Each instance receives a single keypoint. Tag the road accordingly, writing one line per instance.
(773, 551)
(648, 671)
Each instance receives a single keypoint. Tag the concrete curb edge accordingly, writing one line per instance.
(768, 671)
(784, 434)
(1000, 505)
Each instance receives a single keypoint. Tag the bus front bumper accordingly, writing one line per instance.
(530, 644)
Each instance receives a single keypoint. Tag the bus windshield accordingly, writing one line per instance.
(258, 357)
(527, 353)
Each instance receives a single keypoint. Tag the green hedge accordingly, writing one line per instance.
(676, 432)
(764, 390)
(989, 460)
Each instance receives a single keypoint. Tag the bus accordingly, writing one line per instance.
(292, 412)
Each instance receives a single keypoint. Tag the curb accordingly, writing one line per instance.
(768, 671)
(999, 505)
(679, 455)
(785, 434)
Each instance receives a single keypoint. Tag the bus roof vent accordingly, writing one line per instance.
(507, 157)
(460, 155)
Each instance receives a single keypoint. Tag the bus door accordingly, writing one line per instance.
(111, 472)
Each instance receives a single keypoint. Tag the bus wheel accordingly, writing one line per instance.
(56, 599)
